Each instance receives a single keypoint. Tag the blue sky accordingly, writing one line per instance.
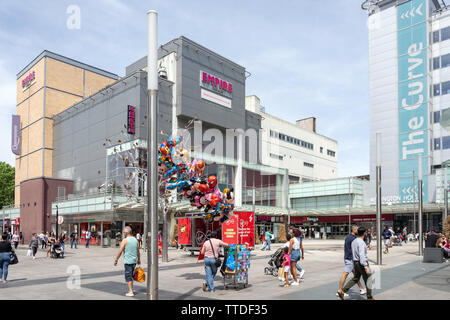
(306, 58)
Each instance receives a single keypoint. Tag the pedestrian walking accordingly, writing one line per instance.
(42, 239)
(51, 240)
(297, 253)
(15, 239)
(73, 239)
(386, 234)
(210, 250)
(268, 237)
(34, 244)
(131, 257)
(139, 239)
(61, 240)
(5, 257)
(405, 234)
(361, 265)
(348, 263)
(88, 238)
(286, 265)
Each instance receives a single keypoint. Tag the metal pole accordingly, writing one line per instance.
(349, 206)
(378, 187)
(420, 207)
(56, 221)
(165, 238)
(445, 198)
(414, 203)
(152, 171)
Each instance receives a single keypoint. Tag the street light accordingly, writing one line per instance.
(152, 176)
(57, 221)
(420, 207)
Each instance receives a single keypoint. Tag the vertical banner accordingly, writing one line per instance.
(184, 231)
(230, 230)
(412, 96)
(15, 135)
(246, 223)
(131, 120)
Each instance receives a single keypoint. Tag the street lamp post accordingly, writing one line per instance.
(445, 197)
(57, 218)
(420, 207)
(378, 187)
(152, 172)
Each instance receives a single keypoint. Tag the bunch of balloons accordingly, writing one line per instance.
(178, 172)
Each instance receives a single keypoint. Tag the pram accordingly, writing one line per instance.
(397, 240)
(274, 263)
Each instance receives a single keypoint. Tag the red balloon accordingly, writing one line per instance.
(212, 182)
(203, 188)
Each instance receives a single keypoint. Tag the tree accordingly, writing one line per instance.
(6, 184)
(447, 227)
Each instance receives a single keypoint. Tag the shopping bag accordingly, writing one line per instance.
(139, 274)
(280, 272)
(29, 253)
(13, 258)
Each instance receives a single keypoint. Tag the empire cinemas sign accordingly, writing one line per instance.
(15, 135)
(131, 122)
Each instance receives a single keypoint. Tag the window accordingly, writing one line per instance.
(446, 142)
(436, 63)
(437, 144)
(61, 193)
(437, 90)
(331, 153)
(309, 165)
(437, 116)
(436, 36)
(275, 156)
(445, 34)
(445, 61)
(321, 149)
(445, 87)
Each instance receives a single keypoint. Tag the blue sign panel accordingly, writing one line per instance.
(412, 96)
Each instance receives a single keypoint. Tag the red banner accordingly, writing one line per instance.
(184, 231)
(230, 231)
(246, 225)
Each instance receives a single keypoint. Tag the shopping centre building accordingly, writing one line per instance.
(82, 145)
(409, 79)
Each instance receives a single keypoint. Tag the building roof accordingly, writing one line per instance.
(67, 60)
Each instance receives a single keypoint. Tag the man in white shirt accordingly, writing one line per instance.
(42, 239)
(88, 238)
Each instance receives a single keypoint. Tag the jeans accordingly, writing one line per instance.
(87, 242)
(4, 263)
(129, 272)
(62, 246)
(266, 244)
(210, 270)
(73, 242)
(16, 243)
(34, 250)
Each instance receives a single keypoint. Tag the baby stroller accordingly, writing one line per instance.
(56, 251)
(397, 240)
(274, 263)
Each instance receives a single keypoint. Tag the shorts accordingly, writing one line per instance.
(296, 255)
(287, 269)
(129, 271)
(387, 242)
(348, 266)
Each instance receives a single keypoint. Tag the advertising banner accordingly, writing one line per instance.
(184, 231)
(246, 222)
(230, 231)
(413, 96)
(15, 135)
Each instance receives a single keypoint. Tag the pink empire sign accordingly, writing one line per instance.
(28, 80)
(217, 82)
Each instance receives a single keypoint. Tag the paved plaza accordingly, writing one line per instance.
(403, 276)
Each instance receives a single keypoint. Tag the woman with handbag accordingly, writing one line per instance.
(210, 250)
(34, 244)
(5, 257)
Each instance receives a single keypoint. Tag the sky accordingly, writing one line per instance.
(306, 58)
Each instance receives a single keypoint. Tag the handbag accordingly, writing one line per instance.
(139, 274)
(29, 253)
(218, 260)
(13, 258)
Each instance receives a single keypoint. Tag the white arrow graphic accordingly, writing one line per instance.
(411, 13)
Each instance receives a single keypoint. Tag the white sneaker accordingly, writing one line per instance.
(302, 273)
(130, 294)
(362, 291)
(34, 258)
(295, 283)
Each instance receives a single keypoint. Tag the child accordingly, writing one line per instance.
(286, 265)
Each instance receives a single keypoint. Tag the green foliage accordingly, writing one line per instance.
(6, 184)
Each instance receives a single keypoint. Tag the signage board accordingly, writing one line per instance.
(413, 96)
(15, 135)
(131, 120)
(215, 98)
(216, 84)
(246, 225)
(29, 80)
(230, 231)
(184, 231)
